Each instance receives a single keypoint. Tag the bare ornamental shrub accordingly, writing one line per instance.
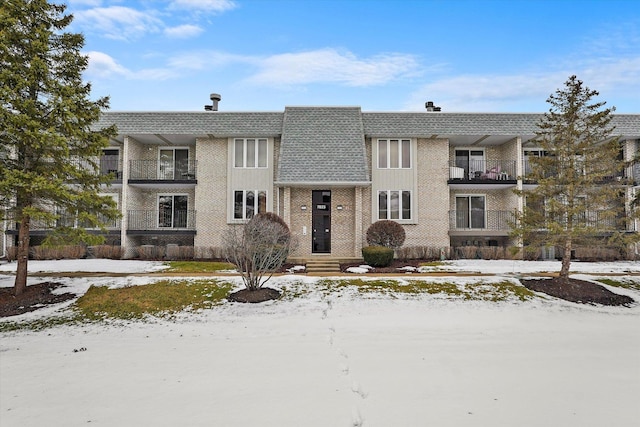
(58, 252)
(107, 251)
(386, 233)
(491, 252)
(427, 253)
(467, 252)
(150, 252)
(208, 252)
(258, 248)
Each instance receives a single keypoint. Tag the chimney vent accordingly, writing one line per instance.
(430, 106)
(215, 98)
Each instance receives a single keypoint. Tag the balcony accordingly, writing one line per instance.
(141, 222)
(480, 223)
(44, 227)
(154, 171)
(485, 173)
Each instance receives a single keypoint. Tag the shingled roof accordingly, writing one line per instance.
(226, 124)
(323, 145)
(405, 124)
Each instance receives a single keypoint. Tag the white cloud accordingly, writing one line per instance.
(212, 6)
(118, 22)
(183, 31)
(206, 59)
(332, 66)
(510, 92)
(102, 65)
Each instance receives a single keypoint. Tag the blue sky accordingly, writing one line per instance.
(263, 55)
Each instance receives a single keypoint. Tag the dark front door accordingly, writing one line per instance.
(321, 236)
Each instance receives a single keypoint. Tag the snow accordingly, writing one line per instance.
(331, 359)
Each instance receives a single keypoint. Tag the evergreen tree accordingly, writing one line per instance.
(48, 150)
(576, 200)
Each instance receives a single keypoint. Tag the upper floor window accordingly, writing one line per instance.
(110, 162)
(394, 204)
(174, 163)
(394, 153)
(250, 152)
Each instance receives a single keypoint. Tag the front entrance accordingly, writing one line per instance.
(321, 222)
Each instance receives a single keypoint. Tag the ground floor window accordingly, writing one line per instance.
(394, 204)
(248, 203)
(470, 212)
(172, 211)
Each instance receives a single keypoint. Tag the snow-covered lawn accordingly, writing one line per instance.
(332, 359)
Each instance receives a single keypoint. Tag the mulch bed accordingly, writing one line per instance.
(259, 295)
(33, 298)
(579, 291)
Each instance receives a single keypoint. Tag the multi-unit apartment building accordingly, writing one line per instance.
(183, 178)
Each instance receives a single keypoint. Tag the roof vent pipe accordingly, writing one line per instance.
(430, 106)
(215, 98)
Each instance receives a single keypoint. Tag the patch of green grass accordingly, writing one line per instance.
(626, 284)
(481, 291)
(38, 325)
(433, 264)
(158, 298)
(198, 266)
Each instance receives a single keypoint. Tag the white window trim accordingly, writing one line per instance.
(388, 160)
(256, 204)
(400, 207)
(244, 153)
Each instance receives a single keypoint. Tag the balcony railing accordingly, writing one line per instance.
(626, 176)
(71, 222)
(481, 220)
(154, 170)
(482, 170)
(158, 220)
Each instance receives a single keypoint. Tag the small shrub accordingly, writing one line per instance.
(150, 252)
(427, 253)
(377, 256)
(208, 252)
(386, 233)
(467, 252)
(107, 251)
(12, 253)
(491, 252)
(58, 252)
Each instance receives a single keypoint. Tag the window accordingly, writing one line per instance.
(174, 163)
(249, 202)
(250, 153)
(172, 211)
(394, 153)
(472, 161)
(109, 162)
(394, 204)
(470, 212)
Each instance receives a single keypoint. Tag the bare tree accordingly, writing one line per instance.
(259, 248)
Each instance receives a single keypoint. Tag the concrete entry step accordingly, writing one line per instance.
(322, 266)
